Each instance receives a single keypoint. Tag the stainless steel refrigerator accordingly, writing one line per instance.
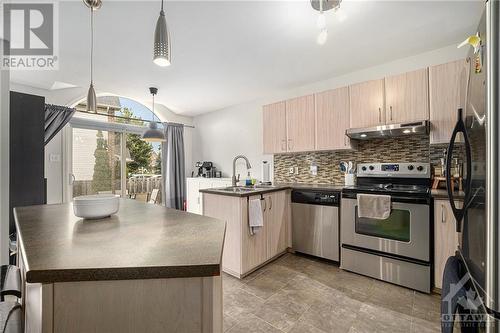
(478, 128)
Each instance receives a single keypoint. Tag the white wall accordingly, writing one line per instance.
(4, 162)
(54, 171)
(223, 134)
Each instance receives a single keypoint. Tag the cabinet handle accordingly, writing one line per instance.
(379, 115)
(270, 203)
(443, 216)
(391, 111)
(290, 145)
(283, 145)
(265, 204)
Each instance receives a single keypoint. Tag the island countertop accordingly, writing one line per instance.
(141, 241)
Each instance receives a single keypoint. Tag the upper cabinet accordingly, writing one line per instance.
(300, 124)
(407, 97)
(332, 119)
(274, 125)
(367, 104)
(447, 87)
(319, 121)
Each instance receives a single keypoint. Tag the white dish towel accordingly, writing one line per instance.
(374, 206)
(255, 217)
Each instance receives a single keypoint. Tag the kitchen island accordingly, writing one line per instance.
(146, 269)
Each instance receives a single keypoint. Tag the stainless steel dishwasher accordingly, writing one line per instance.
(315, 223)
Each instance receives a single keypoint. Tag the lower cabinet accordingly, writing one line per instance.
(445, 238)
(244, 252)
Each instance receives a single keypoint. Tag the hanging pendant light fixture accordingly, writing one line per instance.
(321, 6)
(91, 96)
(162, 46)
(153, 134)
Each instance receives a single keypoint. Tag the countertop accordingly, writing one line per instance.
(272, 188)
(436, 194)
(443, 194)
(246, 193)
(141, 241)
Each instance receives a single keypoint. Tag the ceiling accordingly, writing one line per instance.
(228, 53)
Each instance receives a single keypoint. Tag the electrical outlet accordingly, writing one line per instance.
(313, 169)
(290, 171)
(296, 170)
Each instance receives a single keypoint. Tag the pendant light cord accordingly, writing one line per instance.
(91, 45)
(161, 5)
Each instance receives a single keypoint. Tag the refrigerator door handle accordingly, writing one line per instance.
(459, 212)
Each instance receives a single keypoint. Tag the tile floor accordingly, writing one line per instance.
(299, 294)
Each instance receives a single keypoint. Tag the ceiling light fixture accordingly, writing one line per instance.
(162, 45)
(322, 6)
(153, 134)
(91, 96)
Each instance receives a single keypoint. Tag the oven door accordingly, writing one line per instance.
(406, 232)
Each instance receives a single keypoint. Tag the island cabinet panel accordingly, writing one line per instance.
(445, 237)
(367, 104)
(332, 119)
(300, 124)
(274, 128)
(407, 97)
(232, 210)
(447, 87)
(156, 305)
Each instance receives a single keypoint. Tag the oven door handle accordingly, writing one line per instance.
(459, 212)
(395, 199)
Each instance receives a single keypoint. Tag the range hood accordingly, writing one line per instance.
(389, 131)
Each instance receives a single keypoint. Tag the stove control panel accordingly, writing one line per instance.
(401, 170)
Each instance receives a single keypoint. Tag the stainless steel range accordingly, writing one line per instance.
(395, 249)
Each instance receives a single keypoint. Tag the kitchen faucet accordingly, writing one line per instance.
(234, 179)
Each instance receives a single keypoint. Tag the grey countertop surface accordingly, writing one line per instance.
(272, 188)
(141, 241)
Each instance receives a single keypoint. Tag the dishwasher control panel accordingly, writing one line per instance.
(316, 197)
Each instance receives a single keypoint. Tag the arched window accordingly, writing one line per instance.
(108, 154)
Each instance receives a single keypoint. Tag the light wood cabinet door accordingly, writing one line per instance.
(332, 119)
(253, 247)
(445, 238)
(447, 90)
(367, 104)
(300, 120)
(274, 128)
(407, 97)
(276, 222)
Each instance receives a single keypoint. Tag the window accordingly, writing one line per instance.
(108, 154)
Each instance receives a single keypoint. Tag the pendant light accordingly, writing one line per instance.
(91, 96)
(321, 6)
(153, 134)
(162, 46)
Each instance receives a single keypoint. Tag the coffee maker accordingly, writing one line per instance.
(206, 170)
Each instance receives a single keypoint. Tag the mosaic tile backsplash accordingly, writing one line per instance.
(404, 149)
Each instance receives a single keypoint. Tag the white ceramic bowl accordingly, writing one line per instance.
(96, 206)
